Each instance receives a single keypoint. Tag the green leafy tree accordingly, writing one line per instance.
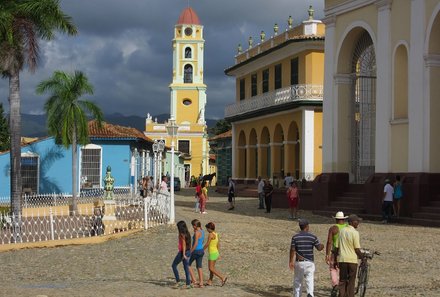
(68, 114)
(23, 24)
(221, 126)
(4, 131)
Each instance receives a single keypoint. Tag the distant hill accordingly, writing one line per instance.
(35, 125)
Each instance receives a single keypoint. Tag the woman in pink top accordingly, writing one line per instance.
(293, 199)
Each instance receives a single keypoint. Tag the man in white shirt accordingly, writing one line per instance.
(387, 201)
(288, 180)
(260, 192)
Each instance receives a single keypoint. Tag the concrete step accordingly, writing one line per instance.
(349, 204)
(350, 199)
(434, 203)
(430, 209)
(346, 210)
(352, 194)
(427, 215)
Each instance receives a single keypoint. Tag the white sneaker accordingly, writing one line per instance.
(204, 212)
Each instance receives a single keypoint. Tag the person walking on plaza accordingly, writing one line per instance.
(197, 252)
(268, 191)
(213, 245)
(183, 255)
(288, 180)
(301, 259)
(398, 194)
(293, 199)
(348, 249)
(231, 194)
(330, 250)
(260, 193)
(203, 197)
(387, 201)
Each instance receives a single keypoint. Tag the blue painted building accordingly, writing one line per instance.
(46, 167)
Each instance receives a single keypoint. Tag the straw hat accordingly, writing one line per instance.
(340, 216)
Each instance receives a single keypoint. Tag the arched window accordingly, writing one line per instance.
(188, 74)
(188, 53)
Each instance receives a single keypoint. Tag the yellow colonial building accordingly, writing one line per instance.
(188, 96)
(277, 117)
(382, 102)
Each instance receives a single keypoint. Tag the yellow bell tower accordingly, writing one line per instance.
(188, 96)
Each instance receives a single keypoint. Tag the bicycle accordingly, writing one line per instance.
(363, 271)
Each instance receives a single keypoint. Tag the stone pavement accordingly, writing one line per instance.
(254, 255)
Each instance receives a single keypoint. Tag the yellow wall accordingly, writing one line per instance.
(317, 164)
(311, 71)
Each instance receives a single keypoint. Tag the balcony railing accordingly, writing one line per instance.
(276, 98)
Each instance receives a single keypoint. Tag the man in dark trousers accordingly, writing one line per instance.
(268, 190)
(348, 250)
(301, 258)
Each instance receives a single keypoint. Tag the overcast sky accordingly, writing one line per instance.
(124, 47)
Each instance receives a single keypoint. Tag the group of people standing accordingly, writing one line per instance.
(188, 253)
(201, 196)
(392, 195)
(343, 251)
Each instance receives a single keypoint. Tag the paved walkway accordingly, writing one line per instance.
(254, 255)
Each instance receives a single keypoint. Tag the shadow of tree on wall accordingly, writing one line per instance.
(47, 183)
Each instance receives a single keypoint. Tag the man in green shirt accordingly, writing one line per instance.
(349, 251)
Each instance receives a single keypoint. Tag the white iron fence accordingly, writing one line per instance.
(47, 217)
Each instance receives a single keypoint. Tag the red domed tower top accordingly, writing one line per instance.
(188, 17)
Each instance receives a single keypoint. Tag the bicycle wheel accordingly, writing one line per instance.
(363, 280)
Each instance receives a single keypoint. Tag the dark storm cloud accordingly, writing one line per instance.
(124, 47)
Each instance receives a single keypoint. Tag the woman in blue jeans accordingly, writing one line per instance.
(197, 252)
(183, 254)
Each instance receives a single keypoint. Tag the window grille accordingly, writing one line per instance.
(188, 74)
(254, 90)
(90, 167)
(30, 173)
(294, 70)
(242, 88)
(188, 53)
(184, 146)
(278, 77)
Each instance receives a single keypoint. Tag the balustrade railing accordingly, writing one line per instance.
(278, 97)
(42, 219)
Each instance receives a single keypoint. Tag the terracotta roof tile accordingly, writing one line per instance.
(223, 135)
(188, 17)
(115, 131)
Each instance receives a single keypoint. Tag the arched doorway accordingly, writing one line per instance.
(363, 108)
(252, 155)
(433, 70)
(399, 123)
(264, 153)
(292, 153)
(277, 150)
(242, 155)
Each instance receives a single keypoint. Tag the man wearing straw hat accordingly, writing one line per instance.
(330, 250)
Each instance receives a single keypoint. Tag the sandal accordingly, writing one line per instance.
(224, 281)
(208, 284)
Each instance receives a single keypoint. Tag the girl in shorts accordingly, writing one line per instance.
(213, 249)
(197, 252)
(183, 254)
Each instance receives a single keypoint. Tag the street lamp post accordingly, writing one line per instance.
(172, 131)
(158, 147)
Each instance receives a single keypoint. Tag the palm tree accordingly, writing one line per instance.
(67, 114)
(23, 23)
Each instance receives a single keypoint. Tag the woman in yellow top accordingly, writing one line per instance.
(213, 249)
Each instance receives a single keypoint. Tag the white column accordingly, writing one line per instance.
(330, 103)
(234, 157)
(172, 215)
(417, 149)
(383, 91)
(173, 104)
(308, 143)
